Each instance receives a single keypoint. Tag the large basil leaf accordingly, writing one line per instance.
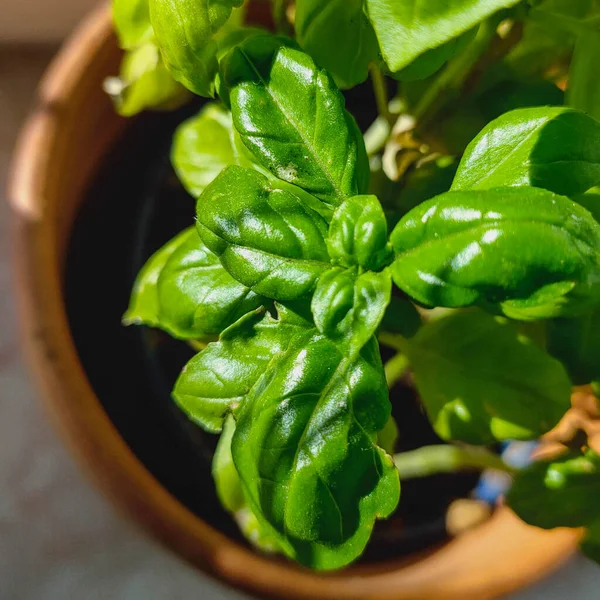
(576, 343)
(231, 493)
(132, 22)
(291, 116)
(358, 234)
(408, 28)
(524, 251)
(266, 237)
(555, 148)
(338, 35)
(184, 289)
(583, 92)
(218, 379)
(432, 60)
(204, 145)
(559, 493)
(490, 383)
(144, 83)
(185, 30)
(348, 307)
(305, 449)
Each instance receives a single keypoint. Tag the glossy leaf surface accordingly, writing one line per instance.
(132, 22)
(185, 30)
(218, 379)
(266, 237)
(348, 307)
(555, 148)
(305, 449)
(184, 289)
(524, 251)
(291, 116)
(490, 383)
(231, 494)
(560, 493)
(408, 28)
(203, 146)
(358, 234)
(338, 35)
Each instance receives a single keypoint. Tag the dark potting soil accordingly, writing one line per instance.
(134, 205)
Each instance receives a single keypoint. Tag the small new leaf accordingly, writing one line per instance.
(144, 83)
(490, 383)
(338, 35)
(204, 145)
(218, 379)
(555, 148)
(291, 116)
(265, 236)
(305, 449)
(132, 22)
(562, 492)
(184, 289)
(523, 251)
(185, 31)
(358, 234)
(348, 307)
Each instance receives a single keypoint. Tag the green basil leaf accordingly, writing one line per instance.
(231, 494)
(144, 83)
(291, 116)
(204, 145)
(555, 148)
(266, 237)
(559, 493)
(185, 31)
(408, 28)
(338, 35)
(184, 289)
(576, 343)
(218, 379)
(358, 234)
(583, 91)
(348, 307)
(305, 449)
(434, 59)
(590, 546)
(132, 22)
(524, 251)
(490, 382)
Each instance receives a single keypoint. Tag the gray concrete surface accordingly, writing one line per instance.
(59, 539)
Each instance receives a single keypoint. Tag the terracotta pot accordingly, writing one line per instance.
(71, 130)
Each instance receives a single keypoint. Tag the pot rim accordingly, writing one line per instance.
(496, 558)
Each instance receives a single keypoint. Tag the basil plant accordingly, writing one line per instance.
(473, 190)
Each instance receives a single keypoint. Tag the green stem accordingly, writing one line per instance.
(431, 460)
(395, 368)
(381, 94)
(454, 74)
